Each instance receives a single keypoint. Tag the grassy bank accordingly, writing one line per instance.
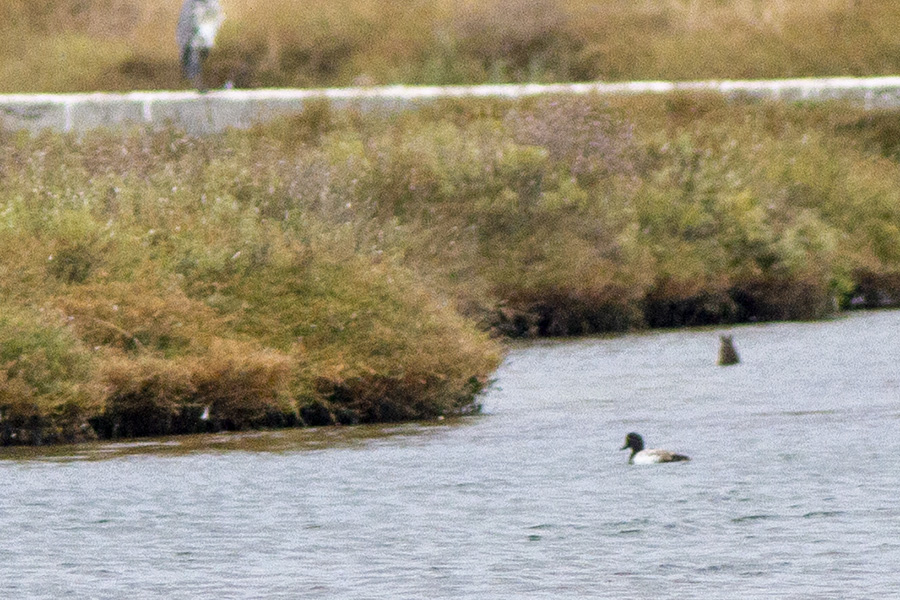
(150, 278)
(341, 267)
(87, 45)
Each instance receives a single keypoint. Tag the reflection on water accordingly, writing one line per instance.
(791, 491)
(277, 441)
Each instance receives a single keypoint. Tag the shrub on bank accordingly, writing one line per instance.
(336, 267)
(46, 391)
(793, 209)
(233, 386)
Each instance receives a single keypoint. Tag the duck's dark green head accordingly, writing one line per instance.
(633, 441)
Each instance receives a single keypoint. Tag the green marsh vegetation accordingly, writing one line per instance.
(343, 267)
(89, 45)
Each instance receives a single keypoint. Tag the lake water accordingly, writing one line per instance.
(792, 491)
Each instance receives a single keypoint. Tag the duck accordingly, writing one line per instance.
(639, 456)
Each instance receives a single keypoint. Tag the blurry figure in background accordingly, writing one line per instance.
(198, 24)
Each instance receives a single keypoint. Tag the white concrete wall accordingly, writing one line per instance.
(217, 110)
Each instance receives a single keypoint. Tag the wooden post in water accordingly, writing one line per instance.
(727, 353)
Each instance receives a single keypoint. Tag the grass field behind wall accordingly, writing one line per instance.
(87, 45)
(342, 267)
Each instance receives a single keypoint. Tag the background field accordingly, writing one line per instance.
(85, 45)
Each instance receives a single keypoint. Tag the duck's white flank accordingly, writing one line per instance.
(655, 455)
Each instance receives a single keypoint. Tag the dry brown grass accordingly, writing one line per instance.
(137, 317)
(244, 385)
(80, 45)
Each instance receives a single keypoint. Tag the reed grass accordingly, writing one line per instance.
(340, 267)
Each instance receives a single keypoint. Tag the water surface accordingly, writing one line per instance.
(791, 493)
